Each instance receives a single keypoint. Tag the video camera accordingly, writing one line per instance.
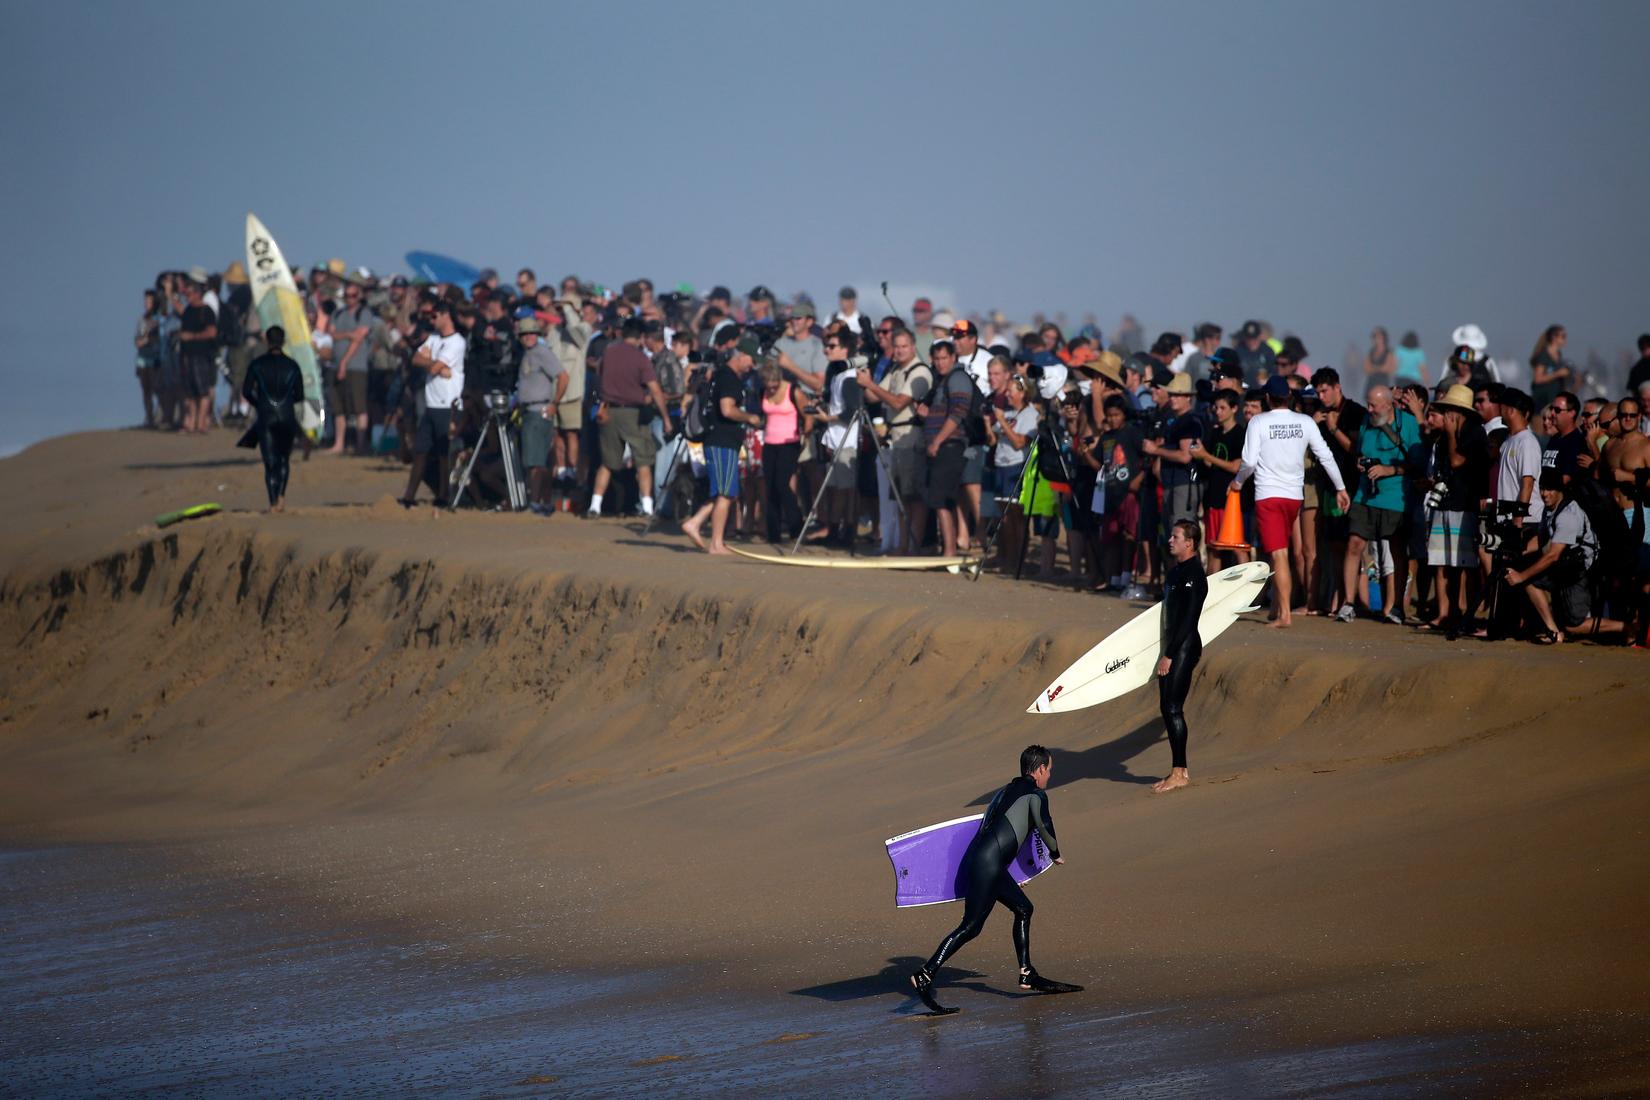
(1497, 522)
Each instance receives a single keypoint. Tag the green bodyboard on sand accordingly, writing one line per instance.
(194, 511)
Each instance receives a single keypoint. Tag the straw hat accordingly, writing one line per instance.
(1107, 365)
(337, 267)
(235, 275)
(1456, 397)
(1182, 384)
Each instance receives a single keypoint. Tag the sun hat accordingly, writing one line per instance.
(942, 320)
(1472, 336)
(235, 274)
(197, 274)
(1181, 384)
(1456, 397)
(529, 326)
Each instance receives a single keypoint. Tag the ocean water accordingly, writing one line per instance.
(126, 972)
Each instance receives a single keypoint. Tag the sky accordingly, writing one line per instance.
(1325, 166)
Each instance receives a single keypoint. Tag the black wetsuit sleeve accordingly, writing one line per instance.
(1182, 607)
(1043, 823)
(249, 386)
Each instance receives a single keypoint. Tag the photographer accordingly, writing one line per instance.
(1459, 468)
(906, 384)
(540, 385)
(441, 356)
(725, 435)
(1569, 550)
(1386, 444)
(944, 417)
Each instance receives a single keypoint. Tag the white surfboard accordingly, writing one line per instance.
(1127, 658)
(277, 302)
(857, 563)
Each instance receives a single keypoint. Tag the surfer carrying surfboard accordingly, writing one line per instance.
(1184, 590)
(1022, 805)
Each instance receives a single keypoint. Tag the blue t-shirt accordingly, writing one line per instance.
(1375, 443)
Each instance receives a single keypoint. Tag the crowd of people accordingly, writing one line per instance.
(1498, 496)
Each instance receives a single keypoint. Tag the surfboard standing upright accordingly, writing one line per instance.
(1127, 658)
(275, 297)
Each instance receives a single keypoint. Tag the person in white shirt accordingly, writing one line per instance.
(848, 310)
(442, 355)
(1274, 454)
(1519, 469)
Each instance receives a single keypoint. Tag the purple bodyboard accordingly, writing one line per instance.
(928, 862)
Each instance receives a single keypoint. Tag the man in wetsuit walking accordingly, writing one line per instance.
(1184, 590)
(1018, 808)
(274, 385)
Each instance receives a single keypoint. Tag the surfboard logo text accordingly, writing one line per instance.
(1055, 690)
(1113, 666)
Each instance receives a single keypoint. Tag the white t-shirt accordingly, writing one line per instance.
(853, 320)
(978, 367)
(1274, 451)
(1520, 458)
(439, 392)
(1024, 423)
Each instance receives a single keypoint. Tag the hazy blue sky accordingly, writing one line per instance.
(1326, 166)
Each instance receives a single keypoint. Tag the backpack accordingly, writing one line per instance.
(973, 424)
(702, 414)
(231, 329)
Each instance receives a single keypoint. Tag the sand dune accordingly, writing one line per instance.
(614, 753)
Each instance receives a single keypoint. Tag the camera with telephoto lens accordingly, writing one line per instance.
(1434, 499)
(1496, 522)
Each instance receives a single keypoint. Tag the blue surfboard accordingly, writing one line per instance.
(443, 269)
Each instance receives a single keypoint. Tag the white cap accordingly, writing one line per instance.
(1472, 336)
(942, 320)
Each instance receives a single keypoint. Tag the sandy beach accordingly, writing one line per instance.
(562, 748)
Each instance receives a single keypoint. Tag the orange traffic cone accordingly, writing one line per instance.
(1230, 535)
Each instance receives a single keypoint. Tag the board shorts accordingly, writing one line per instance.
(1275, 516)
(973, 471)
(1181, 502)
(352, 393)
(200, 375)
(1452, 539)
(1570, 602)
(535, 437)
(945, 476)
(1373, 524)
(1121, 521)
(431, 436)
(910, 466)
(722, 468)
(624, 425)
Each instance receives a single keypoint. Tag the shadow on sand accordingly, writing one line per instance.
(893, 981)
(1106, 761)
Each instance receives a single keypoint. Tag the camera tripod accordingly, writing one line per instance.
(497, 422)
(859, 425)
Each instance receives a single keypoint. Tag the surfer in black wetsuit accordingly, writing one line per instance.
(274, 385)
(1017, 809)
(1184, 590)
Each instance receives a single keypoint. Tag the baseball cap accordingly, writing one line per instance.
(922, 303)
(1161, 376)
(487, 274)
(760, 291)
(399, 280)
(848, 292)
(528, 326)
(1277, 386)
(748, 344)
(942, 320)
(1250, 330)
(721, 294)
(803, 309)
(964, 328)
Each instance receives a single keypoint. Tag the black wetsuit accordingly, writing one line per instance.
(1184, 590)
(274, 386)
(1014, 812)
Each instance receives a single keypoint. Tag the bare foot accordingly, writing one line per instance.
(1176, 779)
(1283, 622)
(693, 534)
(279, 505)
(719, 548)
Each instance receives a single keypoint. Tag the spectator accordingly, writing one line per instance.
(1220, 455)
(1340, 419)
(922, 326)
(1569, 549)
(442, 357)
(1550, 373)
(1122, 474)
(1178, 472)
(629, 393)
(783, 426)
(1639, 376)
(801, 354)
(1410, 362)
(198, 344)
(1199, 364)
(352, 330)
(1379, 364)
(571, 345)
(1274, 453)
(147, 340)
(1458, 466)
(726, 434)
(847, 310)
(1519, 467)
(540, 383)
(1388, 442)
(1255, 356)
(902, 390)
(945, 440)
(1566, 445)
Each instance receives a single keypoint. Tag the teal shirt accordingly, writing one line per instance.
(1389, 492)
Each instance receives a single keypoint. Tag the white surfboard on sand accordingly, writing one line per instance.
(857, 563)
(276, 300)
(1127, 658)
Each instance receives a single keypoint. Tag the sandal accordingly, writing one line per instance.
(1547, 637)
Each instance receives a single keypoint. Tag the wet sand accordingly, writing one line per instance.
(558, 749)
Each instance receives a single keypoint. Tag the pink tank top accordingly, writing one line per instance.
(781, 427)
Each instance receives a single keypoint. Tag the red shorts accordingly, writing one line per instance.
(1275, 516)
(1212, 518)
